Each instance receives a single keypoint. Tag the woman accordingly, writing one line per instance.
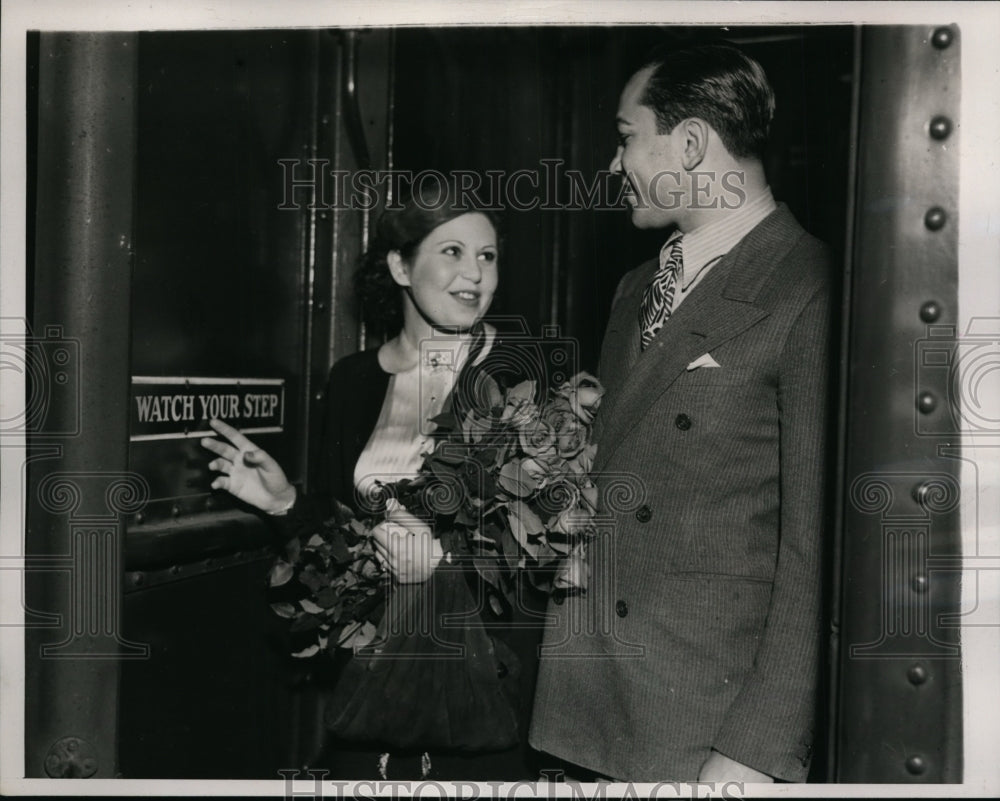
(431, 273)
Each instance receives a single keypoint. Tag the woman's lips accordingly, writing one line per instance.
(466, 297)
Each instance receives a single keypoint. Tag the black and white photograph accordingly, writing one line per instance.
(500, 399)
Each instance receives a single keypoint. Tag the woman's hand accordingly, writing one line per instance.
(248, 472)
(406, 545)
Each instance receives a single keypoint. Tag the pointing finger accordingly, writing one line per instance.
(232, 435)
(223, 449)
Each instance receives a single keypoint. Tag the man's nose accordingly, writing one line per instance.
(616, 162)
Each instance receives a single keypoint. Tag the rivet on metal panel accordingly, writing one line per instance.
(926, 402)
(174, 570)
(71, 758)
(175, 510)
(318, 396)
(919, 583)
(935, 218)
(138, 579)
(921, 492)
(930, 311)
(916, 764)
(209, 503)
(942, 38)
(140, 518)
(917, 675)
(940, 127)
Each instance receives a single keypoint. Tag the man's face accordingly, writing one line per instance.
(649, 162)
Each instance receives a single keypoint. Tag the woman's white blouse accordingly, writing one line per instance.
(402, 435)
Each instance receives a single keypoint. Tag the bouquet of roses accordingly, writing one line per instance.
(507, 489)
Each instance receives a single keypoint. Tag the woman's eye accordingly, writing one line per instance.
(622, 139)
(452, 250)
(488, 255)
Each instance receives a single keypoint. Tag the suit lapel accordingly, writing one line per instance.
(721, 307)
(621, 347)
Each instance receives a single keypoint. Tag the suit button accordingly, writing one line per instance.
(621, 609)
(683, 422)
(643, 514)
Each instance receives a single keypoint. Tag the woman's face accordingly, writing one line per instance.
(453, 274)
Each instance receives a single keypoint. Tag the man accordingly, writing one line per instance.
(694, 653)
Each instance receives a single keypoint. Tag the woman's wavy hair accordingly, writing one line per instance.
(403, 227)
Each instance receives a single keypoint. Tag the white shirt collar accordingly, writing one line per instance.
(708, 243)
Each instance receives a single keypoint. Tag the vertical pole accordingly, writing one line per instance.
(81, 281)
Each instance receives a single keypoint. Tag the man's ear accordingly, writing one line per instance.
(397, 268)
(695, 133)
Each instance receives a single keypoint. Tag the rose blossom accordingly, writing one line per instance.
(583, 462)
(538, 439)
(573, 521)
(584, 393)
(538, 469)
(517, 479)
(570, 434)
(519, 413)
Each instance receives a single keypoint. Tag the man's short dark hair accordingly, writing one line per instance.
(716, 83)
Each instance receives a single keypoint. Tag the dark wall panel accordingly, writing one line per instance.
(220, 290)
(220, 271)
(212, 701)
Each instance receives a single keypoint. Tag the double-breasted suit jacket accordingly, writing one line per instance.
(700, 627)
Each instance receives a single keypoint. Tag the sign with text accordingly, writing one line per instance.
(168, 407)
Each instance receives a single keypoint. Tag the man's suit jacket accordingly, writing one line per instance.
(700, 627)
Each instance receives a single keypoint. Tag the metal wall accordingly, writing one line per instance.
(899, 711)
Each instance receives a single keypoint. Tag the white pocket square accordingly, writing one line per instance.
(705, 360)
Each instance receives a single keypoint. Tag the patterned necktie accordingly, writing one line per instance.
(658, 299)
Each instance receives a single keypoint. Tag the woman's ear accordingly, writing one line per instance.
(695, 132)
(397, 268)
